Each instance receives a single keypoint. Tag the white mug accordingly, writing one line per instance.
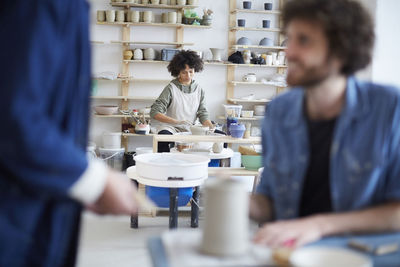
(179, 17)
(172, 17)
(164, 17)
(135, 16)
(138, 54)
(120, 16)
(147, 16)
(110, 15)
(269, 60)
(101, 15)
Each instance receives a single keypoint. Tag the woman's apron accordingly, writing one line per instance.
(183, 107)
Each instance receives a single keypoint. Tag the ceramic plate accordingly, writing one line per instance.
(318, 256)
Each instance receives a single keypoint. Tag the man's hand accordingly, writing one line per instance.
(290, 233)
(118, 196)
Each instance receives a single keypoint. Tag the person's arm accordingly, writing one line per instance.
(297, 232)
(260, 209)
(38, 153)
(202, 112)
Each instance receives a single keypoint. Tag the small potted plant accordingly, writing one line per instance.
(190, 17)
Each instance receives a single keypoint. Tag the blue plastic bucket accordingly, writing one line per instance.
(160, 195)
(214, 163)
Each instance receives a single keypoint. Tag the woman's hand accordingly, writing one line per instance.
(290, 233)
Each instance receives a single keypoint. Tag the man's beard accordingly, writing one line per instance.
(311, 76)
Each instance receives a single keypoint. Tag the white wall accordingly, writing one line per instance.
(213, 78)
(387, 47)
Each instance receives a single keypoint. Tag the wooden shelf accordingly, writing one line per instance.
(205, 138)
(250, 83)
(231, 171)
(135, 80)
(97, 42)
(271, 12)
(133, 134)
(145, 61)
(255, 118)
(257, 65)
(115, 116)
(255, 101)
(173, 25)
(259, 47)
(153, 43)
(140, 98)
(159, 6)
(255, 29)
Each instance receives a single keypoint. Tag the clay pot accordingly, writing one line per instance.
(149, 54)
(138, 54)
(128, 54)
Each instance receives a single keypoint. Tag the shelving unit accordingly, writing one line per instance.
(126, 42)
(232, 46)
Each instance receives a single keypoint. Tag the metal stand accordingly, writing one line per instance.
(173, 208)
(134, 221)
(194, 221)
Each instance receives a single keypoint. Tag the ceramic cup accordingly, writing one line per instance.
(181, 2)
(268, 60)
(247, 4)
(138, 54)
(145, 2)
(172, 17)
(164, 2)
(128, 54)
(135, 16)
(192, 2)
(149, 54)
(120, 16)
(164, 17)
(101, 15)
(172, 2)
(267, 6)
(274, 58)
(179, 17)
(266, 23)
(241, 22)
(110, 15)
(155, 2)
(147, 16)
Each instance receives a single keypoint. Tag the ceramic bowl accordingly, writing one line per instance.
(243, 41)
(237, 130)
(106, 110)
(252, 162)
(247, 113)
(259, 110)
(266, 42)
(199, 130)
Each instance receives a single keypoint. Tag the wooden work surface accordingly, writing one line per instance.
(203, 138)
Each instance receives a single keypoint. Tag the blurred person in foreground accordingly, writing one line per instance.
(45, 177)
(331, 145)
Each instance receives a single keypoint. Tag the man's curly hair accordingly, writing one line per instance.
(183, 58)
(347, 25)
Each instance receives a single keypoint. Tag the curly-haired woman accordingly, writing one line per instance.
(182, 101)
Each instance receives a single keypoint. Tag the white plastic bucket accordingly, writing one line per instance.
(112, 140)
(112, 157)
(91, 150)
(143, 150)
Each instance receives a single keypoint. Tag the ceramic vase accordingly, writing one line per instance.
(138, 54)
(216, 52)
(101, 15)
(149, 54)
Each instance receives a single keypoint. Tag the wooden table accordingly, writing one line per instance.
(203, 138)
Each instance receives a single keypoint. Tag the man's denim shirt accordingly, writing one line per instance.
(364, 156)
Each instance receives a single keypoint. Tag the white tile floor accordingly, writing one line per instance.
(109, 241)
